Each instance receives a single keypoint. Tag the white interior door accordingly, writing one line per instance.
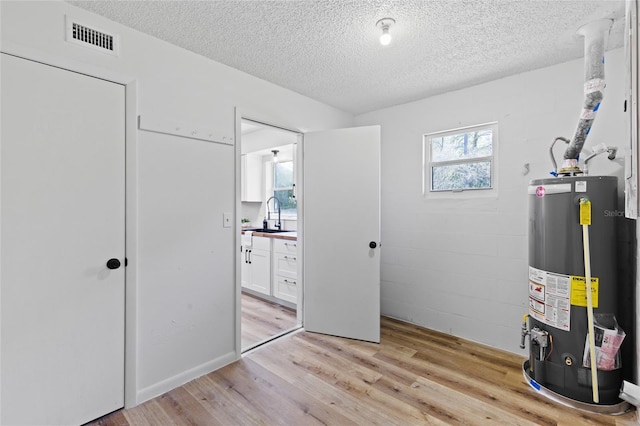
(341, 219)
(62, 219)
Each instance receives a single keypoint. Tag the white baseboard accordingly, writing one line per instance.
(180, 379)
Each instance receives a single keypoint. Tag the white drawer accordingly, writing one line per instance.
(261, 243)
(285, 246)
(286, 289)
(286, 265)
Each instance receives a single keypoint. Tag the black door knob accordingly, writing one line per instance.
(113, 263)
(373, 244)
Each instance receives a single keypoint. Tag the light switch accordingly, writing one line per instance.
(226, 220)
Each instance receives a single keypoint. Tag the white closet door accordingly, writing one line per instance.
(342, 232)
(61, 220)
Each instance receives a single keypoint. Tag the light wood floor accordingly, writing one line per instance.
(413, 377)
(262, 320)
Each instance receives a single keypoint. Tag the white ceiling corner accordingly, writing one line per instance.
(329, 50)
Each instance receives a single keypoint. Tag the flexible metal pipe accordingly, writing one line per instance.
(594, 37)
(553, 158)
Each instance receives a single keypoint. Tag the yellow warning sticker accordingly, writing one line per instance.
(579, 291)
(585, 213)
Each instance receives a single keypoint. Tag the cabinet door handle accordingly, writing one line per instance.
(295, 193)
(292, 245)
(249, 256)
(292, 258)
(290, 282)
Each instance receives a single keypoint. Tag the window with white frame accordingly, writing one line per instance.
(284, 187)
(460, 159)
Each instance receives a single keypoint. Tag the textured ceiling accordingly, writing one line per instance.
(329, 49)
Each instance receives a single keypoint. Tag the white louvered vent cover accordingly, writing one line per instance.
(93, 38)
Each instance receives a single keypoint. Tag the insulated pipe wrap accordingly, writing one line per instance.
(594, 40)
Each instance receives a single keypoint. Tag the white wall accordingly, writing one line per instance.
(183, 319)
(460, 266)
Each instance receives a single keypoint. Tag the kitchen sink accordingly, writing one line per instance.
(266, 231)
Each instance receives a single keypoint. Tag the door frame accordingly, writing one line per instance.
(131, 215)
(246, 114)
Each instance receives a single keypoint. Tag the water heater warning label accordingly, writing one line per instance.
(549, 298)
(579, 291)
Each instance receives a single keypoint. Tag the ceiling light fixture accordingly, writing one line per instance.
(384, 24)
(275, 155)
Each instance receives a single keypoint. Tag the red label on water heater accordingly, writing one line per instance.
(540, 191)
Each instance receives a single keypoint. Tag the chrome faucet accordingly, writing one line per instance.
(279, 224)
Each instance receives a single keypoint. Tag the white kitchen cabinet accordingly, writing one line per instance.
(245, 279)
(251, 183)
(256, 266)
(286, 288)
(285, 270)
(285, 265)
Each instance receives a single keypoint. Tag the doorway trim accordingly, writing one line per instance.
(131, 215)
(265, 119)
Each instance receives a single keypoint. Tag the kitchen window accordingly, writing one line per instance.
(460, 160)
(284, 187)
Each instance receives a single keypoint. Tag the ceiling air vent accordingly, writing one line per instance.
(92, 38)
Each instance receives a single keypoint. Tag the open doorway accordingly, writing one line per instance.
(270, 253)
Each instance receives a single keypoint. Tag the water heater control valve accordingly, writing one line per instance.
(539, 337)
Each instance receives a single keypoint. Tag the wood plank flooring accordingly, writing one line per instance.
(413, 377)
(262, 320)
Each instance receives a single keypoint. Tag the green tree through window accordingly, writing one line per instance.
(461, 159)
(283, 187)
